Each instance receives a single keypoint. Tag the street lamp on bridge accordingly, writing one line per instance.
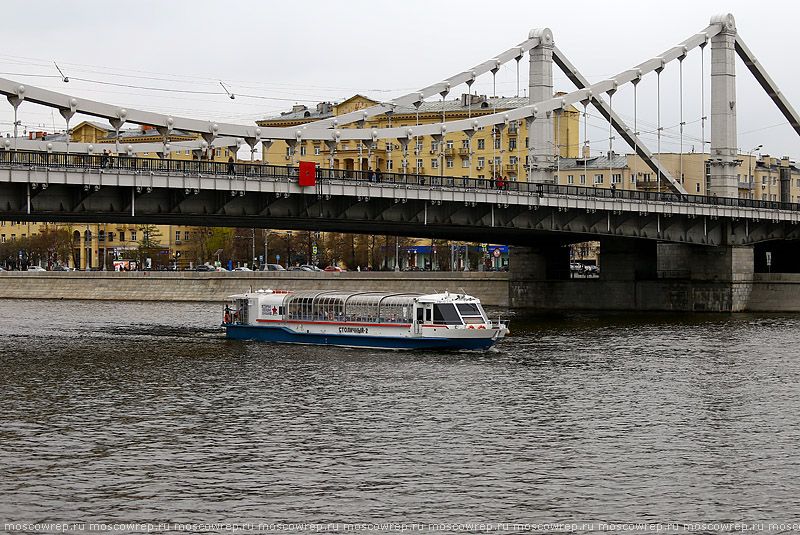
(750, 163)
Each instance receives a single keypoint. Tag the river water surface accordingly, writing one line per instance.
(144, 412)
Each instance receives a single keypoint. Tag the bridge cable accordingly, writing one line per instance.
(658, 107)
(680, 78)
(585, 154)
(610, 141)
(703, 114)
(635, 128)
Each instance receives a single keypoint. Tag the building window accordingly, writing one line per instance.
(481, 162)
(512, 160)
(133, 236)
(598, 179)
(2, 238)
(419, 163)
(418, 147)
(434, 163)
(218, 152)
(512, 143)
(646, 177)
(449, 162)
(177, 235)
(464, 163)
(497, 143)
(481, 144)
(389, 165)
(13, 237)
(555, 179)
(121, 236)
(465, 145)
(583, 180)
(302, 150)
(697, 187)
(616, 178)
(434, 146)
(186, 235)
(449, 144)
(570, 179)
(316, 151)
(526, 143)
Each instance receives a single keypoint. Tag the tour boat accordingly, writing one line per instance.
(362, 319)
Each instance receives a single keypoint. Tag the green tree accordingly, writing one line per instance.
(218, 239)
(149, 243)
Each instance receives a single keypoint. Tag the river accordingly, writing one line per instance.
(144, 413)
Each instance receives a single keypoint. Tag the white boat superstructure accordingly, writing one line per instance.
(362, 318)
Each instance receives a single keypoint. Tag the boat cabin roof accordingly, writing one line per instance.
(349, 297)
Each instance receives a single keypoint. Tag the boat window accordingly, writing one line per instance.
(446, 313)
(468, 309)
(420, 312)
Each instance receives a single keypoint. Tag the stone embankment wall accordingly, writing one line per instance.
(777, 292)
(490, 287)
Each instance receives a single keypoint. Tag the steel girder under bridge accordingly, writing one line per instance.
(424, 206)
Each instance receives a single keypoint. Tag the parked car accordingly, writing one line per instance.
(36, 268)
(63, 268)
(333, 268)
(272, 267)
(242, 268)
(204, 267)
(575, 266)
(592, 269)
(299, 268)
(218, 268)
(311, 268)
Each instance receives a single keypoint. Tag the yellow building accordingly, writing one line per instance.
(499, 152)
(99, 245)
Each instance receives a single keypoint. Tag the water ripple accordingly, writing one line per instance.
(145, 412)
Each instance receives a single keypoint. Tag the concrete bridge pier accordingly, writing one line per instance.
(635, 275)
(720, 277)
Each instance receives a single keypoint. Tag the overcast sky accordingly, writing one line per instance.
(272, 55)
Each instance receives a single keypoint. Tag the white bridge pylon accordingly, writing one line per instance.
(220, 134)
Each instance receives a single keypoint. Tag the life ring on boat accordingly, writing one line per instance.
(227, 318)
(471, 327)
(482, 327)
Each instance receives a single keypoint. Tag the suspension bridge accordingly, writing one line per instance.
(646, 237)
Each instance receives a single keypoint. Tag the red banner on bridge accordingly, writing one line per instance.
(308, 172)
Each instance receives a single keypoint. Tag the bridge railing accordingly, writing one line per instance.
(257, 171)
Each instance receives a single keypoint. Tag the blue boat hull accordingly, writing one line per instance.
(284, 335)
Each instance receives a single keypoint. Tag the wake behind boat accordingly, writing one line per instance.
(362, 319)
